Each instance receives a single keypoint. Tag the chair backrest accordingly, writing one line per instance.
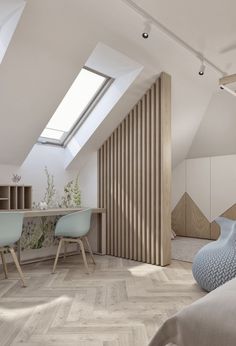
(75, 224)
(10, 227)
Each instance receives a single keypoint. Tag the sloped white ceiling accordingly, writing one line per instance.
(51, 44)
(216, 133)
(124, 72)
(208, 26)
(10, 13)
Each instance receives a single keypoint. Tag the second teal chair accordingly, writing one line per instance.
(73, 228)
(10, 232)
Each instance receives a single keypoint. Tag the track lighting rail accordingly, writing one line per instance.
(149, 18)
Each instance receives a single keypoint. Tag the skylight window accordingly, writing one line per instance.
(79, 101)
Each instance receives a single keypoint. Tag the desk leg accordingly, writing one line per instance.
(103, 235)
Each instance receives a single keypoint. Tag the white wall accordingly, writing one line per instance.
(178, 183)
(32, 173)
(198, 183)
(89, 182)
(223, 184)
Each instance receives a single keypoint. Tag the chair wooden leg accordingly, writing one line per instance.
(4, 265)
(57, 255)
(83, 254)
(89, 248)
(65, 249)
(12, 251)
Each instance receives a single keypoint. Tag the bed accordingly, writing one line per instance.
(210, 321)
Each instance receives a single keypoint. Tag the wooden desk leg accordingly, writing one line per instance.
(18, 251)
(103, 236)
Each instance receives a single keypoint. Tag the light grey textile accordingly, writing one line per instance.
(210, 321)
(215, 263)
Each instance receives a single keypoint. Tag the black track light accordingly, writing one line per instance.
(146, 30)
(202, 69)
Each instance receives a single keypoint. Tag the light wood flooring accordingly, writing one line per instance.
(121, 303)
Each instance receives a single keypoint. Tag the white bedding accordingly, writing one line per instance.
(210, 321)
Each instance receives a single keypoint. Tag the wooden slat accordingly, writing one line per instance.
(115, 185)
(152, 175)
(123, 189)
(139, 183)
(157, 175)
(135, 211)
(134, 180)
(112, 182)
(131, 156)
(103, 176)
(165, 168)
(100, 176)
(147, 178)
(127, 204)
(119, 189)
(143, 163)
(108, 185)
(104, 190)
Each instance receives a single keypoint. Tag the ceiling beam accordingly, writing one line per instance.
(231, 79)
(228, 79)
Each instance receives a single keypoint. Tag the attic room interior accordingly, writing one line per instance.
(117, 173)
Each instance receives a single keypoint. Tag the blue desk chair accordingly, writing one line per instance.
(73, 228)
(10, 232)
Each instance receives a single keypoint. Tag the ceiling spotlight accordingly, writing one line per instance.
(202, 68)
(146, 30)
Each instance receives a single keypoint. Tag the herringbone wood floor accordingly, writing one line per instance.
(121, 303)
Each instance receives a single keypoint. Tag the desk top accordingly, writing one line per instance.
(55, 211)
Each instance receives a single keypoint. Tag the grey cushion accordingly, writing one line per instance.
(210, 321)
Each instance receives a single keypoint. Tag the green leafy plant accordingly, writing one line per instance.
(50, 192)
(77, 192)
(72, 194)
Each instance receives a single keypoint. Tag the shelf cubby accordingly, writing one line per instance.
(27, 197)
(20, 197)
(15, 197)
(4, 204)
(4, 192)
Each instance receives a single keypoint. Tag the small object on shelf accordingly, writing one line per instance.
(43, 205)
(16, 178)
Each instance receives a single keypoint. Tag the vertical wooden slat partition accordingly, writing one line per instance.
(135, 179)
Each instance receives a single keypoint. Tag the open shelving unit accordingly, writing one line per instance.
(15, 197)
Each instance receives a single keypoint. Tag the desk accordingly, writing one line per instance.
(101, 235)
